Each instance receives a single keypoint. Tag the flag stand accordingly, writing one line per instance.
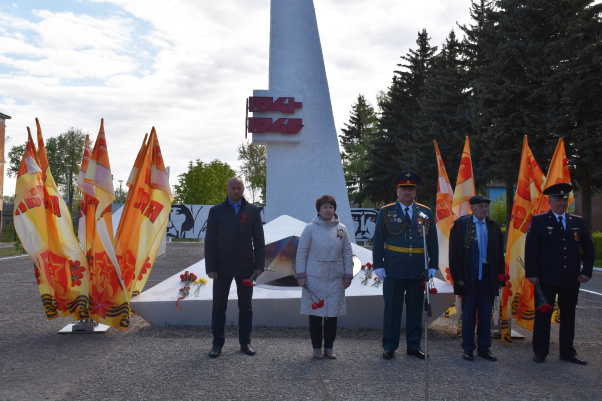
(86, 326)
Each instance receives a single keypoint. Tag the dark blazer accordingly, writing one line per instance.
(234, 244)
(391, 229)
(553, 257)
(459, 262)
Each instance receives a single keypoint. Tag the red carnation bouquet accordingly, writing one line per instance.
(503, 279)
(544, 306)
(187, 278)
(431, 286)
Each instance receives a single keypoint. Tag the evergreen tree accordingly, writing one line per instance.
(508, 99)
(393, 148)
(576, 54)
(444, 115)
(355, 141)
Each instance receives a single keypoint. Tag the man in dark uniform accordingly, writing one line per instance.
(476, 258)
(552, 260)
(398, 255)
(234, 249)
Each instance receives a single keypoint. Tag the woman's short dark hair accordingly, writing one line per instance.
(325, 199)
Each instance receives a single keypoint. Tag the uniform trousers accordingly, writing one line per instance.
(567, 302)
(315, 331)
(221, 290)
(394, 292)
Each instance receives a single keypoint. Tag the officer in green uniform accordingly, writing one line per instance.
(398, 256)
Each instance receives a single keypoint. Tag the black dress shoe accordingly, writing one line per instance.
(388, 354)
(215, 352)
(247, 349)
(416, 352)
(539, 358)
(468, 355)
(573, 359)
(487, 355)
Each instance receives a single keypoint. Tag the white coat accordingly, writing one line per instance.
(324, 259)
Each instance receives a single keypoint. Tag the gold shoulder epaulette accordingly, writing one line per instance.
(390, 204)
(424, 206)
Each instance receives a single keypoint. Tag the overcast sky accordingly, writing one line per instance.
(185, 67)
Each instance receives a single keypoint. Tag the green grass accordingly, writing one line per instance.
(4, 252)
(598, 263)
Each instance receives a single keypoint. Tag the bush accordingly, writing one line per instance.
(497, 211)
(597, 237)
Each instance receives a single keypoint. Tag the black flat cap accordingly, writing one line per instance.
(479, 199)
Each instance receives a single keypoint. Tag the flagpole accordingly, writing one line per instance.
(427, 310)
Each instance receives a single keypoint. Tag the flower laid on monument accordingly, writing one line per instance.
(376, 282)
(188, 279)
(199, 282)
(250, 282)
(544, 306)
(368, 269)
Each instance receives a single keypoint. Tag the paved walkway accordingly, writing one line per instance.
(153, 363)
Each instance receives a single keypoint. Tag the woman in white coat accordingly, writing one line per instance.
(324, 268)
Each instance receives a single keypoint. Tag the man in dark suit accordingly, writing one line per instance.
(398, 256)
(552, 260)
(234, 249)
(476, 258)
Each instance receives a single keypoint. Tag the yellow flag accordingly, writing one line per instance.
(464, 184)
(144, 219)
(444, 216)
(108, 298)
(517, 296)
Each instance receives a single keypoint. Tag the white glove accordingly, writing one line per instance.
(432, 272)
(380, 273)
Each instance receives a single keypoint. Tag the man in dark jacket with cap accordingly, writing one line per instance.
(234, 249)
(398, 256)
(552, 261)
(476, 259)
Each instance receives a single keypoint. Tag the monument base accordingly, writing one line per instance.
(273, 306)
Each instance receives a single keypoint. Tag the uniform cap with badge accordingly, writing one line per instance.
(406, 179)
(560, 191)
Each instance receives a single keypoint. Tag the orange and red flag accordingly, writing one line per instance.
(444, 216)
(108, 298)
(144, 219)
(464, 184)
(517, 297)
(43, 223)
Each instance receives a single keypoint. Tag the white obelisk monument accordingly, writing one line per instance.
(294, 119)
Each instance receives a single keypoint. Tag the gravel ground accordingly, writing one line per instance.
(158, 363)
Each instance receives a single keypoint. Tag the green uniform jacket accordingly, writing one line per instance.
(392, 230)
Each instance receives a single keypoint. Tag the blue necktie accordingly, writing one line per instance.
(236, 206)
(482, 233)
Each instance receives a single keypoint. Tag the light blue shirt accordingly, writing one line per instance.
(236, 206)
(563, 219)
(481, 227)
(403, 209)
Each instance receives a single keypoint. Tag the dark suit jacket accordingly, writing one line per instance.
(554, 258)
(234, 244)
(459, 263)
